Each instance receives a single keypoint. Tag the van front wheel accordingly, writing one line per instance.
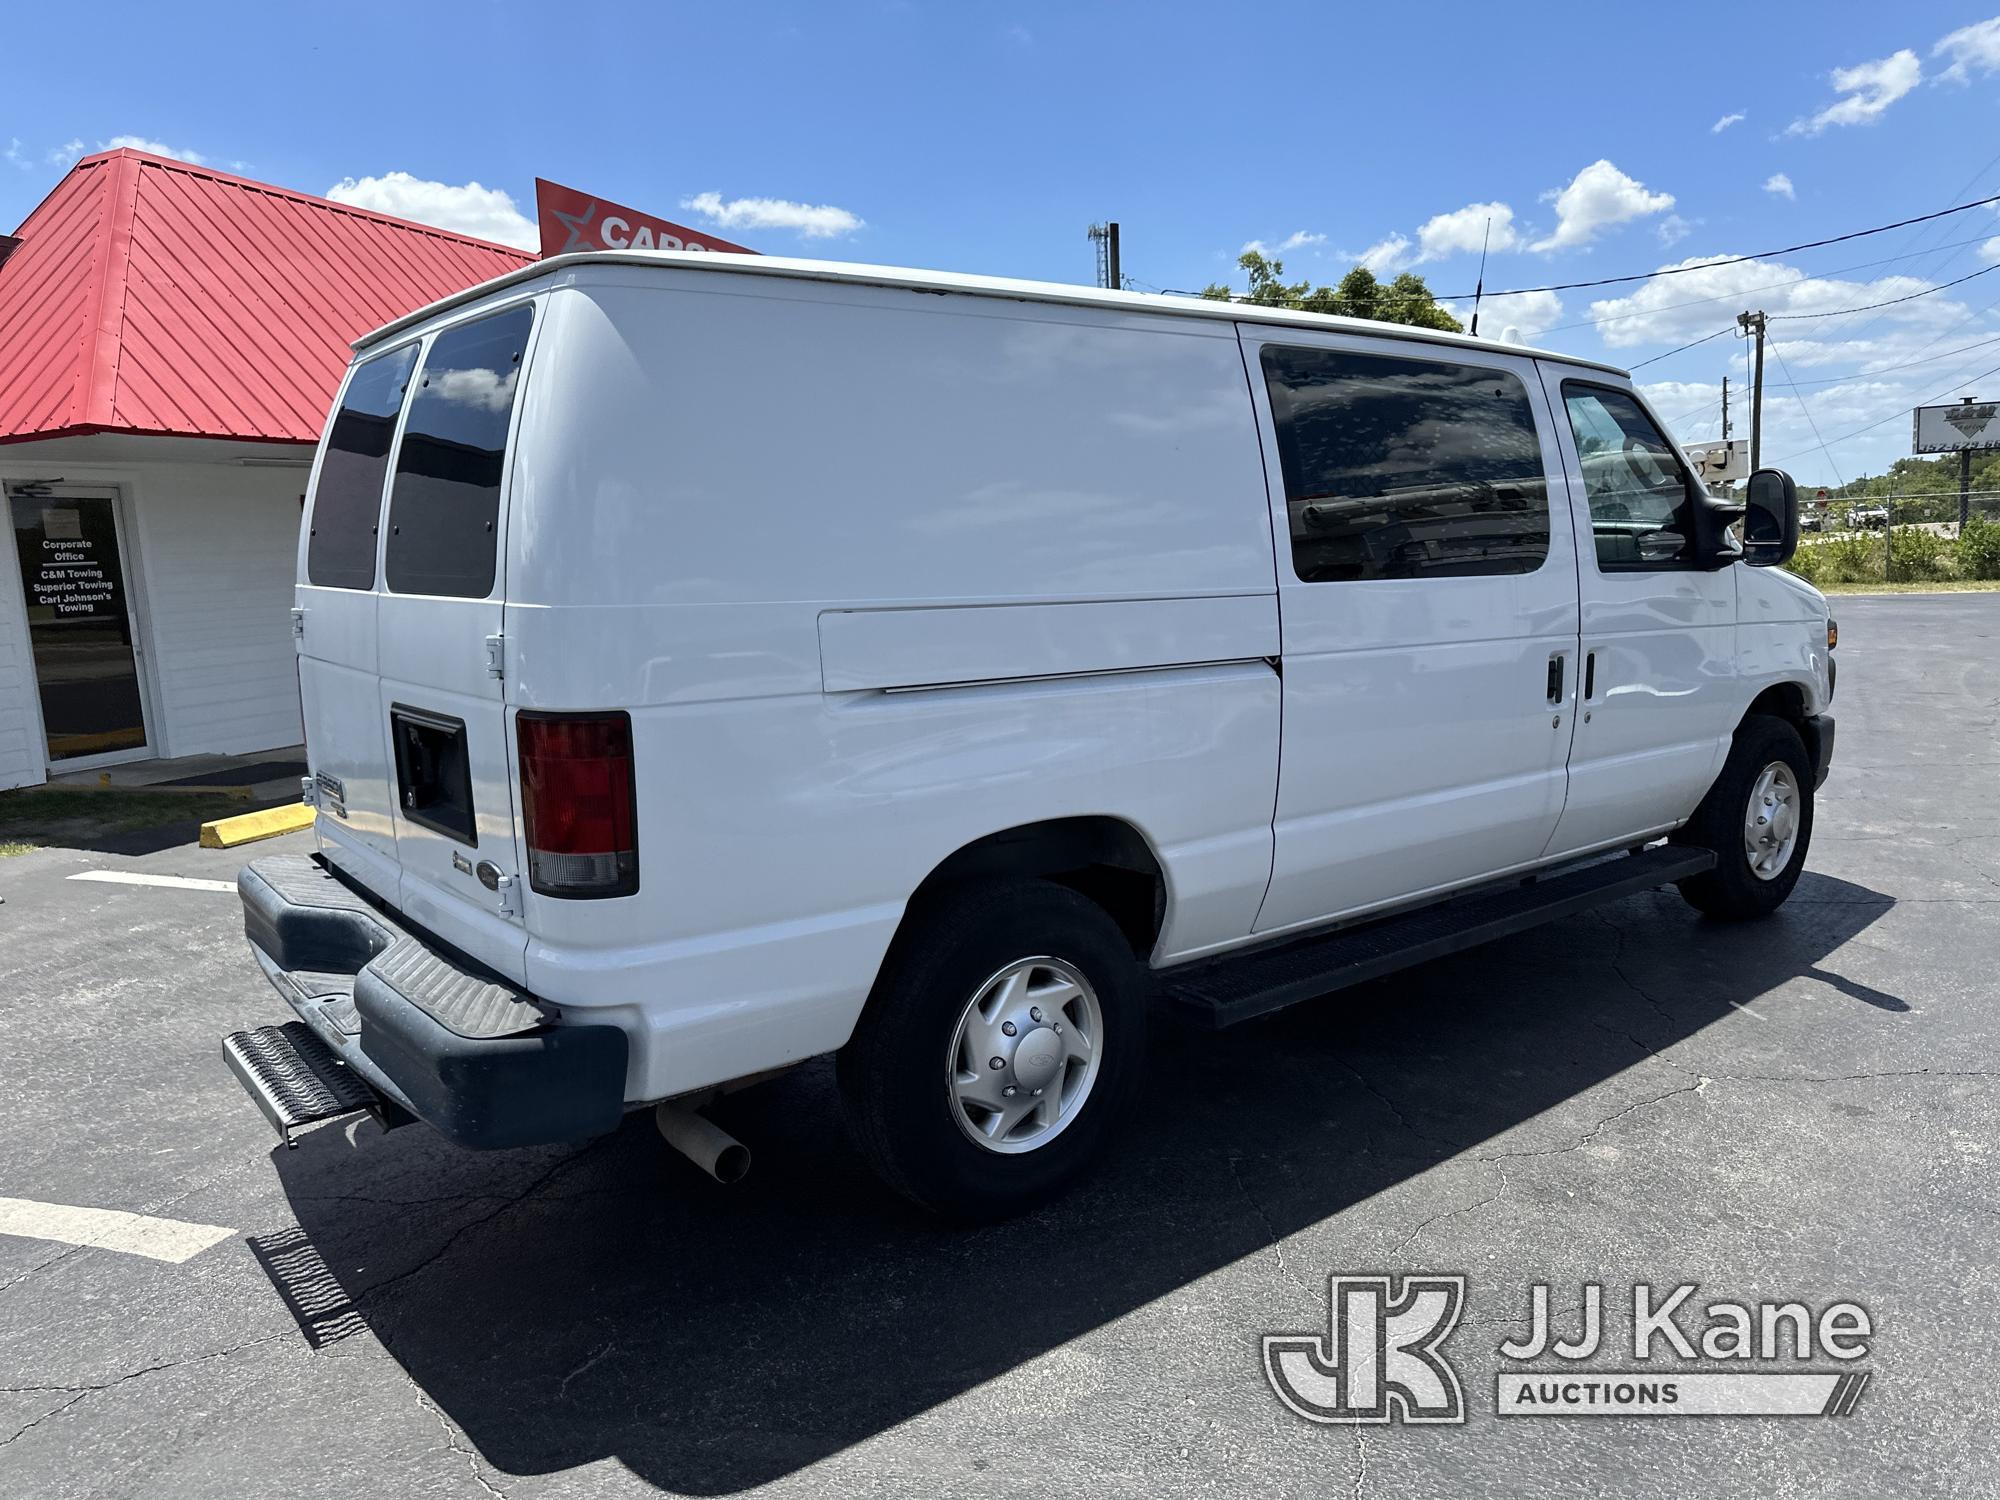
(1757, 819)
(1004, 1039)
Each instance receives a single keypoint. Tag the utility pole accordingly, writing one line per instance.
(1753, 322)
(1109, 273)
(1725, 408)
(1964, 477)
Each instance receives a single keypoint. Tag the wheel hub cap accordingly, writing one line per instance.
(1771, 821)
(1025, 1055)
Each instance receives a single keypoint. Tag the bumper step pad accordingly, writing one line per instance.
(294, 1077)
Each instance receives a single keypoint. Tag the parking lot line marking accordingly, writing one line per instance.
(170, 1240)
(133, 877)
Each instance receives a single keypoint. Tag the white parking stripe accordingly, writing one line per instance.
(171, 1240)
(133, 877)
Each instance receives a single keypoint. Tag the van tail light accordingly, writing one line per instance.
(578, 804)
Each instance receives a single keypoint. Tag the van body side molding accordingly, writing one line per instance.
(864, 650)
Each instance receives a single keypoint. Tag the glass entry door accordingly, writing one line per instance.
(79, 622)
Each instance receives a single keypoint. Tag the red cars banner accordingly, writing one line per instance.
(571, 220)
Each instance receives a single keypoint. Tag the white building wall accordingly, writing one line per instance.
(218, 546)
(210, 551)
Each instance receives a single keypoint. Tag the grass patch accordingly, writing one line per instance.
(54, 817)
(1935, 586)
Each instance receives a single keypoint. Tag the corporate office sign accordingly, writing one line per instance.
(571, 220)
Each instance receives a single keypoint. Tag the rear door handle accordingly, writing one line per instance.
(1556, 677)
(1590, 677)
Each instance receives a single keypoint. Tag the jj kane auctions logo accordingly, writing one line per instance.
(1382, 1357)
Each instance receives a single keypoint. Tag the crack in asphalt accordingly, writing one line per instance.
(1263, 1215)
(79, 1392)
(451, 1442)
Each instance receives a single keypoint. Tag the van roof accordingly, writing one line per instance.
(975, 286)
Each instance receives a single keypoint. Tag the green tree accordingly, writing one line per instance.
(1359, 295)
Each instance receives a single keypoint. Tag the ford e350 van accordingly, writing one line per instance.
(713, 662)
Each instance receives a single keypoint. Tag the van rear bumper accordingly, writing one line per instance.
(484, 1064)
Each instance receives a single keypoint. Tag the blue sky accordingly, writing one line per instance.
(986, 137)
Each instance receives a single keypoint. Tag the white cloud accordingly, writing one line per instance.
(1301, 238)
(1513, 320)
(1991, 249)
(816, 221)
(486, 390)
(1599, 197)
(1254, 247)
(154, 148)
(1779, 186)
(465, 208)
(1464, 229)
(1972, 49)
(1673, 229)
(16, 157)
(1386, 257)
(1867, 89)
(1724, 123)
(66, 154)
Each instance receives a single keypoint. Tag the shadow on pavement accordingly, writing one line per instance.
(607, 1301)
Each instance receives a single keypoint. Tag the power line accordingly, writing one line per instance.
(1870, 307)
(1683, 348)
(1737, 294)
(1737, 260)
(1929, 359)
(1903, 411)
(1799, 397)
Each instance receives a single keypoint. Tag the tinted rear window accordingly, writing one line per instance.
(445, 504)
(1406, 468)
(347, 501)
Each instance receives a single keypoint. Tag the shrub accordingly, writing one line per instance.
(1918, 556)
(1979, 548)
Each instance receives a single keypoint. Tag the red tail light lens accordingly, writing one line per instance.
(578, 803)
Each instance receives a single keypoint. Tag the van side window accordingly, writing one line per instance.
(1406, 468)
(1640, 497)
(445, 504)
(347, 501)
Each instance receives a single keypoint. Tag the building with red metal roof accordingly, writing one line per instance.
(170, 340)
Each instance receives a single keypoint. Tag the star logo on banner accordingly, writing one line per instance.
(577, 224)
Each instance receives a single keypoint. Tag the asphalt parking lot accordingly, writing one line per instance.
(1802, 1109)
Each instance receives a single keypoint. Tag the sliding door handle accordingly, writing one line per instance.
(1556, 663)
(1590, 677)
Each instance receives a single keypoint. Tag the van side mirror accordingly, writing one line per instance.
(1770, 519)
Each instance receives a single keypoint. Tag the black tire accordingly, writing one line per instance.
(1732, 891)
(894, 1076)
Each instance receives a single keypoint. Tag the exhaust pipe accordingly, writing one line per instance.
(703, 1142)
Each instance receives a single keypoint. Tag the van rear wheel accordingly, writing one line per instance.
(1004, 1039)
(1757, 819)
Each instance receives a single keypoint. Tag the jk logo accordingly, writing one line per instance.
(1379, 1357)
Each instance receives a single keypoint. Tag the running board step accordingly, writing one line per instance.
(1220, 992)
(295, 1078)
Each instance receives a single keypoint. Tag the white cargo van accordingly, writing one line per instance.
(713, 662)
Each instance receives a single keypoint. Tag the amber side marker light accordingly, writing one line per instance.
(1832, 633)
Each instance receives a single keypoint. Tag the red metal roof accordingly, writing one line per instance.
(152, 296)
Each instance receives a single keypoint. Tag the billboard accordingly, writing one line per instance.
(570, 220)
(1947, 429)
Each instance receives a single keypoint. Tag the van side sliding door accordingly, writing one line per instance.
(1427, 590)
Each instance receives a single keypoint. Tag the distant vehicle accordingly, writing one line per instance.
(1868, 517)
(1812, 520)
(713, 662)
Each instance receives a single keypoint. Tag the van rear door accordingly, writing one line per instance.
(441, 649)
(403, 687)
